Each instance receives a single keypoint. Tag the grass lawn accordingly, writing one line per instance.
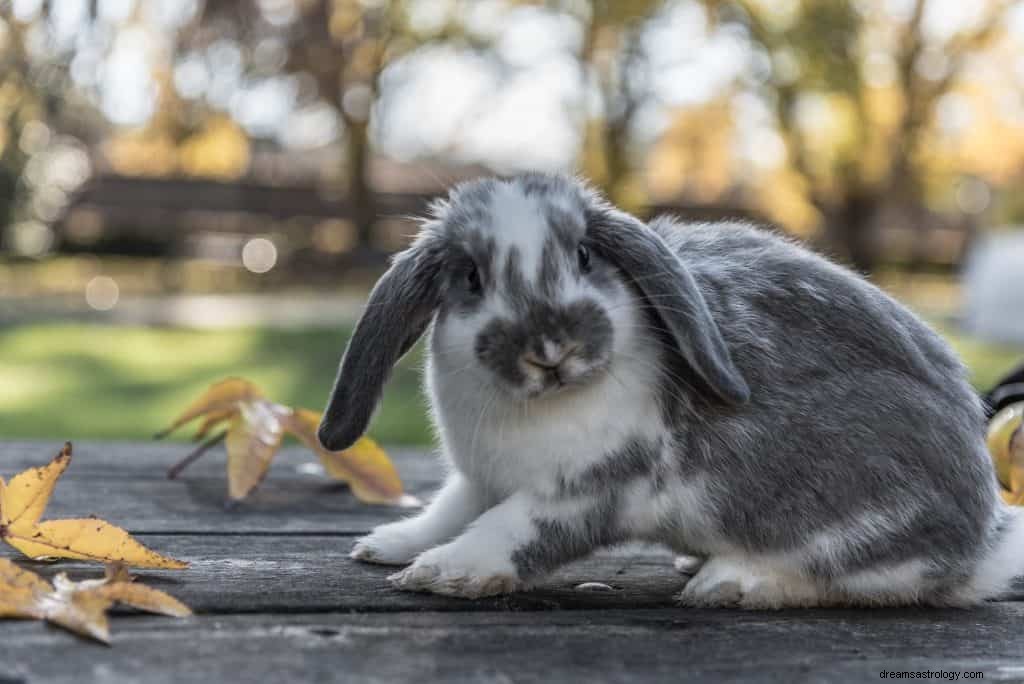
(63, 381)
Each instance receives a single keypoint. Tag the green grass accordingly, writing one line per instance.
(105, 382)
(73, 382)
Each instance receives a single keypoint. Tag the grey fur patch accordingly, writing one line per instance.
(638, 457)
(552, 262)
(583, 323)
(559, 541)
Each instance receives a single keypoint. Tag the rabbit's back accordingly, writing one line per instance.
(862, 433)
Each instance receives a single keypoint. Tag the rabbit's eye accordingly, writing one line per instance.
(473, 280)
(583, 254)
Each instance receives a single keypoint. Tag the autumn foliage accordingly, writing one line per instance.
(22, 503)
(79, 606)
(255, 428)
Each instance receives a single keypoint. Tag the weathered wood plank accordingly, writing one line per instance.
(151, 459)
(305, 574)
(668, 645)
(125, 483)
(313, 574)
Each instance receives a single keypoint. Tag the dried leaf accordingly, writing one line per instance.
(20, 591)
(221, 397)
(78, 606)
(254, 434)
(253, 439)
(22, 502)
(1006, 445)
(211, 421)
(364, 466)
(89, 539)
(144, 598)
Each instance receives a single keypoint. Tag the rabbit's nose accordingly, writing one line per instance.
(550, 355)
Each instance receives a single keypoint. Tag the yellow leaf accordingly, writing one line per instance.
(141, 597)
(89, 539)
(257, 426)
(223, 396)
(1006, 445)
(364, 466)
(77, 606)
(212, 420)
(23, 501)
(252, 440)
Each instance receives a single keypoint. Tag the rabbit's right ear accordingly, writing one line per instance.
(400, 308)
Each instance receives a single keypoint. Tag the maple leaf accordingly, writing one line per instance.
(22, 503)
(79, 606)
(1006, 445)
(256, 426)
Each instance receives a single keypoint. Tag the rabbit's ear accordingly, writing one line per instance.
(400, 308)
(670, 290)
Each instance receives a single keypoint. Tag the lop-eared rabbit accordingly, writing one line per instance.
(713, 388)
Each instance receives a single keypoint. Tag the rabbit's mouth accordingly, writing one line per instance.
(571, 373)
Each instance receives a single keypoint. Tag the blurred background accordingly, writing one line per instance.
(190, 189)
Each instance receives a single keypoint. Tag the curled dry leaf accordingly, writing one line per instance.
(1006, 444)
(255, 429)
(364, 466)
(22, 503)
(78, 606)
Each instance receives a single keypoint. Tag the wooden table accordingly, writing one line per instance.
(278, 600)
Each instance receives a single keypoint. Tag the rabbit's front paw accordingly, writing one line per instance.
(386, 545)
(444, 570)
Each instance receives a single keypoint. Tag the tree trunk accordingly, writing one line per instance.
(360, 194)
(849, 232)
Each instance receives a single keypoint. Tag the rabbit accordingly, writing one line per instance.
(714, 388)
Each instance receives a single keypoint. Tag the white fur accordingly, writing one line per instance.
(1002, 564)
(455, 506)
(478, 562)
(519, 220)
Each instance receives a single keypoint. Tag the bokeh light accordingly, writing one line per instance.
(259, 255)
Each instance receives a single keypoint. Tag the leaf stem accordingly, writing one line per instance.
(176, 469)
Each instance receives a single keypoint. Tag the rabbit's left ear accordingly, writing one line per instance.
(400, 308)
(670, 290)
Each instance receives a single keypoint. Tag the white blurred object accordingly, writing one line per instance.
(994, 288)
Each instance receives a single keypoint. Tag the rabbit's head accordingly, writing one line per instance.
(534, 285)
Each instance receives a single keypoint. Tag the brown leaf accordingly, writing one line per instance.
(78, 606)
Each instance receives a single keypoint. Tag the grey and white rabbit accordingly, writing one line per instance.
(712, 387)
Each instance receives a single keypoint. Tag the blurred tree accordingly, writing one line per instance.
(610, 57)
(38, 105)
(881, 79)
(337, 49)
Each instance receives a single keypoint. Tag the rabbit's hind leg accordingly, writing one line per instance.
(744, 583)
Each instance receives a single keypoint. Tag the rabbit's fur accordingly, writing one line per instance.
(712, 387)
